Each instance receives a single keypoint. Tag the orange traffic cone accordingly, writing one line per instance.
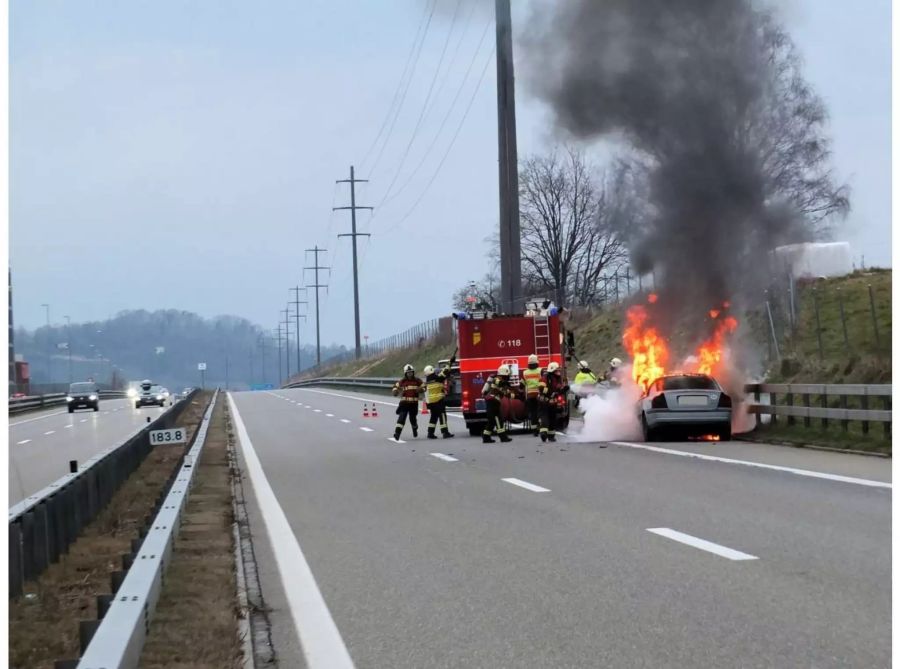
(365, 410)
(374, 410)
(424, 408)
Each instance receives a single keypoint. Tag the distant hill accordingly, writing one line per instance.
(165, 346)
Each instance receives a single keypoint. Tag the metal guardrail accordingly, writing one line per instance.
(44, 525)
(826, 393)
(119, 639)
(22, 404)
(348, 381)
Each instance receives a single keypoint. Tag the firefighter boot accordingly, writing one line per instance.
(551, 437)
(486, 438)
(431, 433)
(543, 435)
(415, 430)
(505, 438)
(446, 434)
(397, 432)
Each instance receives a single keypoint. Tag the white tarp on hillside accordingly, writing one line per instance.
(815, 259)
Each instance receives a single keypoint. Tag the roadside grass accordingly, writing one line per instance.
(834, 437)
(196, 619)
(43, 622)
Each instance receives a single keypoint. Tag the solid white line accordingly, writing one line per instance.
(24, 441)
(702, 544)
(527, 485)
(320, 638)
(366, 429)
(31, 420)
(49, 432)
(761, 465)
(344, 420)
(445, 458)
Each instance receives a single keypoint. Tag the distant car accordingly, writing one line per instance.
(83, 395)
(150, 395)
(687, 404)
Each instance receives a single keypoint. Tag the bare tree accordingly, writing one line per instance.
(568, 238)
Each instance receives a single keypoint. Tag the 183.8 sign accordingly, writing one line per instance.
(175, 435)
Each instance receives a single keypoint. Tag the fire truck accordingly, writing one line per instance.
(487, 340)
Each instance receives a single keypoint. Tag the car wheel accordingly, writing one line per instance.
(71, 410)
(725, 435)
(96, 407)
(649, 433)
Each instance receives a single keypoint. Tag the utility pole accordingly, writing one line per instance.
(510, 236)
(297, 315)
(353, 235)
(316, 267)
(278, 336)
(69, 344)
(287, 341)
(49, 343)
(261, 339)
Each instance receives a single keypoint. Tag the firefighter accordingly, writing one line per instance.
(551, 389)
(436, 399)
(496, 388)
(585, 381)
(614, 373)
(409, 389)
(531, 377)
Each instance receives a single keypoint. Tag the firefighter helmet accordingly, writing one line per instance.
(408, 368)
(615, 363)
(503, 370)
(533, 359)
(553, 367)
(583, 365)
(428, 370)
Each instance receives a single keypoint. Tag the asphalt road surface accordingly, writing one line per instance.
(42, 443)
(452, 553)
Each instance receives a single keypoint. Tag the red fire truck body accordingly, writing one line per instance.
(486, 341)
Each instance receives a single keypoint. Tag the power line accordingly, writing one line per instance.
(449, 148)
(405, 90)
(434, 79)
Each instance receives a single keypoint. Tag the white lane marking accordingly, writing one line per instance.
(320, 638)
(31, 420)
(344, 420)
(702, 544)
(68, 426)
(330, 415)
(49, 432)
(761, 465)
(445, 458)
(396, 441)
(527, 485)
(366, 429)
(83, 420)
(106, 412)
(317, 411)
(368, 398)
(24, 441)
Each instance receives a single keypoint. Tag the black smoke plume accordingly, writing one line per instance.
(728, 153)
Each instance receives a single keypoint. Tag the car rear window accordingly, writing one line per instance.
(82, 388)
(689, 383)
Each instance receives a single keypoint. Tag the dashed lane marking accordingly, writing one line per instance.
(525, 484)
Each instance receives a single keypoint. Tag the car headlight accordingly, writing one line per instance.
(159, 397)
(132, 392)
(68, 399)
(92, 398)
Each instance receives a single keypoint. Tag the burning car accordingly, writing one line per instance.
(690, 404)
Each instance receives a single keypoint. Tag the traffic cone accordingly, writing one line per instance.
(365, 410)
(374, 410)
(424, 408)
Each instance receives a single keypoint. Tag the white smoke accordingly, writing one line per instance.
(611, 415)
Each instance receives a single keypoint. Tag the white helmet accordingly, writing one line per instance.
(503, 370)
(615, 362)
(582, 364)
(429, 369)
(533, 359)
(552, 367)
(408, 368)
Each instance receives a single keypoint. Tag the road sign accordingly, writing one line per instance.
(175, 435)
(201, 366)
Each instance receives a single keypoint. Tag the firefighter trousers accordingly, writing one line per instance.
(494, 423)
(533, 406)
(548, 418)
(405, 409)
(438, 417)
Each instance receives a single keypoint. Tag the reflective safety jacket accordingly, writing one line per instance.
(496, 388)
(552, 385)
(409, 390)
(585, 378)
(435, 386)
(531, 377)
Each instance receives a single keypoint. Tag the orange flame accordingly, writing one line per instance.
(649, 351)
(652, 297)
(710, 352)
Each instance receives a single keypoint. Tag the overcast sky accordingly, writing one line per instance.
(172, 154)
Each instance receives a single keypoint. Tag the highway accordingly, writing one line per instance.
(41, 444)
(453, 553)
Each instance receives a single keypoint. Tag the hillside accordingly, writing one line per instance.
(599, 336)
